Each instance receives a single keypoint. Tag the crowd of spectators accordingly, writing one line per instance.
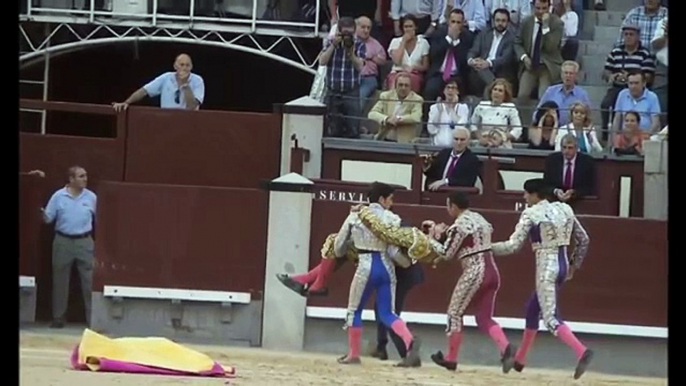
(481, 65)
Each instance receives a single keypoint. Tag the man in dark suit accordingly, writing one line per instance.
(492, 55)
(456, 166)
(572, 174)
(537, 48)
(448, 56)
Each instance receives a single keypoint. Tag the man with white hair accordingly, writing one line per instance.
(566, 93)
(453, 166)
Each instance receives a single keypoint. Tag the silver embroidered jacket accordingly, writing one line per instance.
(363, 239)
(548, 226)
(468, 235)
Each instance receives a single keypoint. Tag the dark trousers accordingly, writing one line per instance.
(407, 278)
(570, 49)
(343, 113)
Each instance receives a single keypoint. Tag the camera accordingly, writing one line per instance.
(348, 40)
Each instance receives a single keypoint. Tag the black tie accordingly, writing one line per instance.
(536, 58)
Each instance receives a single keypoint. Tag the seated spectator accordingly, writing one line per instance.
(566, 93)
(570, 40)
(456, 166)
(572, 174)
(630, 56)
(582, 128)
(518, 10)
(497, 119)
(660, 47)
(648, 17)
(343, 56)
(398, 112)
(375, 57)
(446, 114)
(542, 135)
(448, 56)
(538, 48)
(410, 55)
(426, 14)
(636, 97)
(473, 10)
(630, 139)
(492, 55)
(181, 89)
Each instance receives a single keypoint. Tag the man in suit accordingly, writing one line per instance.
(570, 172)
(448, 56)
(492, 55)
(456, 166)
(398, 112)
(537, 47)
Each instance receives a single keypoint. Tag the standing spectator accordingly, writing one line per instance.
(425, 12)
(375, 57)
(177, 90)
(398, 111)
(537, 47)
(447, 114)
(474, 13)
(660, 47)
(517, 9)
(72, 208)
(647, 17)
(342, 56)
(571, 174)
(410, 55)
(492, 55)
(628, 57)
(448, 55)
(636, 97)
(566, 93)
(570, 39)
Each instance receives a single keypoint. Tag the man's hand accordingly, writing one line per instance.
(356, 208)
(37, 172)
(120, 106)
(436, 184)
(527, 63)
(570, 272)
(392, 121)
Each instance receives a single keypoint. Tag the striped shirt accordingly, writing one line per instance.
(647, 23)
(620, 59)
(341, 74)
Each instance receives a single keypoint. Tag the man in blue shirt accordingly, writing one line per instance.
(637, 98)
(566, 93)
(72, 209)
(177, 90)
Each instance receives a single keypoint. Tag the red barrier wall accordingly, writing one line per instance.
(181, 237)
(623, 280)
(211, 148)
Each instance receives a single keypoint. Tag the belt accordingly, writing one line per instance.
(80, 236)
(476, 253)
(362, 251)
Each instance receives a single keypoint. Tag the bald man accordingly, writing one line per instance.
(180, 89)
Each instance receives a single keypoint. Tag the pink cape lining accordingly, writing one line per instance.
(113, 366)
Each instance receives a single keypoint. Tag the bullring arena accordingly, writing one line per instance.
(44, 361)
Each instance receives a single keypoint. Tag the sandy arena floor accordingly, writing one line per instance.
(44, 362)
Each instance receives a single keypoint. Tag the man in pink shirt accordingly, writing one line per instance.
(376, 56)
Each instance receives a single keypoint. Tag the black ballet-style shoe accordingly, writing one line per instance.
(320, 292)
(440, 360)
(380, 353)
(507, 358)
(412, 358)
(344, 360)
(291, 284)
(583, 364)
(518, 367)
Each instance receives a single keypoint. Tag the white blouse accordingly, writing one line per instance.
(504, 117)
(443, 120)
(590, 140)
(421, 49)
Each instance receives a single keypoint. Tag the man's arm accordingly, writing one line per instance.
(50, 211)
(519, 43)
(478, 21)
(396, 254)
(340, 243)
(193, 93)
(326, 54)
(517, 239)
(357, 55)
(476, 48)
(415, 115)
(581, 244)
(377, 112)
(506, 59)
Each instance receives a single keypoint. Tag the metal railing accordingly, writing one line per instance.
(155, 18)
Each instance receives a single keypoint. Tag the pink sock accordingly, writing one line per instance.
(498, 336)
(527, 343)
(354, 342)
(566, 335)
(454, 341)
(325, 269)
(307, 278)
(400, 329)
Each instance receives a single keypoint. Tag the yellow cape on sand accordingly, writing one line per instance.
(154, 352)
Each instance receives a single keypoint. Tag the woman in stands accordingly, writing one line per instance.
(542, 135)
(582, 128)
(497, 119)
(446, 114)
(629, 141)
(410, 53)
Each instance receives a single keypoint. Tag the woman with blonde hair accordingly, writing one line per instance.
(497, 119)
(582, 128)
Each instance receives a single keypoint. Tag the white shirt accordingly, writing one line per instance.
(421, 49)
(662, 55)
(504, 117)
(441, 117)
(571, 28)
(497, 38)
(593, 146)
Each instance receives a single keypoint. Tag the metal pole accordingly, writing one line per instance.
(154, 13)
(316, 18)
(192, 13)
(91, 16)
(28, 7)
(46, 77)
(253, 24)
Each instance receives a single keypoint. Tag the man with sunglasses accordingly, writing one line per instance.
(181, 89)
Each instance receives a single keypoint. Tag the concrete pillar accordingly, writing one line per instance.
(288, 251)
(303, 121)
(655, 197)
